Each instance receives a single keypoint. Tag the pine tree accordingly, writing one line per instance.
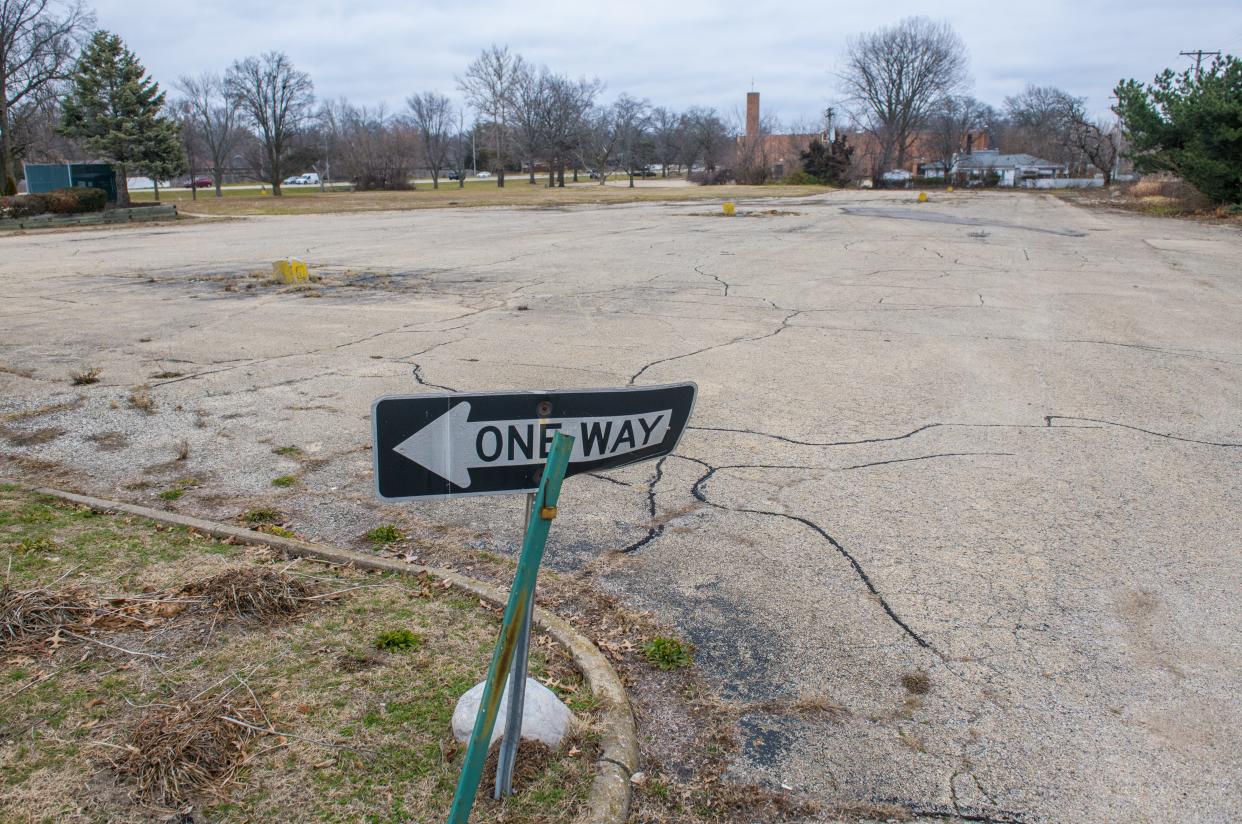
(114, 108)
(828, 163)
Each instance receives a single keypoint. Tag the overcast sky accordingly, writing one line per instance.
(675, 52)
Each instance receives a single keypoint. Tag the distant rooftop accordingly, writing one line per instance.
(992, 158)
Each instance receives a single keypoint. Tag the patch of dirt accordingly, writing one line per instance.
(357, 663)
(34, 437)
(108, 441)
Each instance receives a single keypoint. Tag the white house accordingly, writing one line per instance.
(1011, 169)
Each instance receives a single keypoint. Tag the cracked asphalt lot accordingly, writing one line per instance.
(994, 439)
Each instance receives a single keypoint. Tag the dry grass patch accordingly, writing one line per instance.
(516, 194)
(175, 751)
(34, 615)
(254, 592)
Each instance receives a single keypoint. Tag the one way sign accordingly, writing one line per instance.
(493, 443)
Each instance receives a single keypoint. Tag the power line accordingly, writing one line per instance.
(1198, 55)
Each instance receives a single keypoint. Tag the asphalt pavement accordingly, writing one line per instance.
(957, 519)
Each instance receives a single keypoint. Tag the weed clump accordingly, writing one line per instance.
(916, 683)
(385, 534)
(262, 516)
(397, 640)
(85, 377)
(288, 451)
(284, 481)
(141, 400)
(667, 653)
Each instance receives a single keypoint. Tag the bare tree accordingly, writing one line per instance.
(668, 134)
(630, 117)
(212, 118)
(39, 41)
(564, 106)
(597, 141)
(527, 99)
(707, 137)
(432, 115)
(894, 75)
(376, 150)
(1099, 141)
(488, 86)
(1041, 122)
(276, 98)
(950, 125)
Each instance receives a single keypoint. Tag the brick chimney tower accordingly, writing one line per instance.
(752, 114)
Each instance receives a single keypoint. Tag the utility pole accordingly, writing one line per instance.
(1198, 55)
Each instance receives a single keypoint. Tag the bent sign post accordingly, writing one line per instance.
(496, 443)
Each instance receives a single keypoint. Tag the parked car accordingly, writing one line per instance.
(484, 174)
(308, 179)
(202, 183)
(452, 175)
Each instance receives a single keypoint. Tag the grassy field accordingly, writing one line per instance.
(147, 670)
(517, 192)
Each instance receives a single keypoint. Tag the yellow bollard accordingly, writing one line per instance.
(950, 189)
(728, 209)
(290, 270)
(922, 197)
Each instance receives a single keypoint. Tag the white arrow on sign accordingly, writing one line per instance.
(452, 445)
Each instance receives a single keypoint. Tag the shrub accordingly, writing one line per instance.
(799, 178)
(59, 201)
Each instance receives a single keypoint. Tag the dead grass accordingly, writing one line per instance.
(33, 437)
(85, 377)
(19, 371)
(34, 615)
(176, 750)
(254, 593)
(916, 683)
(515, 194)
(39, 411)
(141, 400)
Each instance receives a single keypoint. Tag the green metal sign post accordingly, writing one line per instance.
(520, 603)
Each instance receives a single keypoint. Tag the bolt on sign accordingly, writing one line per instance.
(495, 443)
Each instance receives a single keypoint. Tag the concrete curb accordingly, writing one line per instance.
(609, 800)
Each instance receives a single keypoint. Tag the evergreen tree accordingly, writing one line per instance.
(114, 108)
(1189, 124)
(828, 163)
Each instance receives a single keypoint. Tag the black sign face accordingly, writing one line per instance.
(495, 443)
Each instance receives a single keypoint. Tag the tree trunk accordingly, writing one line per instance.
(435, 178)
(461, 179)
(631, 174)
(122, 187)
(156, 187)
(8, 177)
(560, 176)
(532, 173)
(500, 178)
(215, 173)
(575, 174)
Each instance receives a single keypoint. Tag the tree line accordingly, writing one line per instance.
(68, 90)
